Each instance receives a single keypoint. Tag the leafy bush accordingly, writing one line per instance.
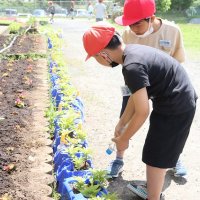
(14, 28)
(163, 5)
(181, 5)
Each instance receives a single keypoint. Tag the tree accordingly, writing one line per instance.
(181, 5)
(163, 5)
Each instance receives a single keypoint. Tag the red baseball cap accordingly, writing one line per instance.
(97, 38)
(136, 10)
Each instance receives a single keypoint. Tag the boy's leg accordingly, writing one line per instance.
(52, 17)
(116, 166)
(155, 182)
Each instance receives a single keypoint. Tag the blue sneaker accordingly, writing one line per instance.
(140, 190)
(179, 170)
(115, 168)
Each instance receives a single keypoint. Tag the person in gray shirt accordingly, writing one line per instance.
(100, 11)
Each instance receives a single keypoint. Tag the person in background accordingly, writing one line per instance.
(150, 74)
(114, 8)
(51, 9)
(90, 10)
(71, 10)
(100, 11)
(143, 27)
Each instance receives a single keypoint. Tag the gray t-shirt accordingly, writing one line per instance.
(166, 81)
(100, 10)
(51, 9)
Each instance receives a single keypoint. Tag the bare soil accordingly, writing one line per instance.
(24, 139)
(5, 40)
(25, 44)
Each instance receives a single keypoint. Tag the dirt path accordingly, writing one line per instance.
(100, 91)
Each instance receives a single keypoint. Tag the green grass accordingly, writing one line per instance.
(191, 32)
(176, 17)
(5, 22)
(191, 36)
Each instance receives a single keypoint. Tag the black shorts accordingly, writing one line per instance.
(166, 138)
(99, 19)
(124, 104)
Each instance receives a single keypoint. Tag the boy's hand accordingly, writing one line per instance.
(121, 144)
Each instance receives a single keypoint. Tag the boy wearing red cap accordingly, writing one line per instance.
(146, 29)
(149, 74)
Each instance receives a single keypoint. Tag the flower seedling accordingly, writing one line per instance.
(86, 188)
(90, 191)
(14, 27)
(27, 80)
(91, 186)
(17, 127)
(22, 95)
(9, 167)
(19, 103)
(99, 176)
(29, 69)
(67, 121)
(82, 162)
(73, 137)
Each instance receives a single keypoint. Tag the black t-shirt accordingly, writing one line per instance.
(167, 83)
(52, 9)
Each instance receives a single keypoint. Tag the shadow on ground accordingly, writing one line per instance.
(119, 185)
(169, 177)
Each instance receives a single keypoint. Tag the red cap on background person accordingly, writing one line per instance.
(97, 38)
(136, 10)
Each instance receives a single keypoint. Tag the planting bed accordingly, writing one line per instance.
(4, 40)
(28, 44)
(16, 122)
(24, 145)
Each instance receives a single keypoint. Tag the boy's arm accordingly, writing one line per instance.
(179, 51)
(125, 118)
(128, 112)
(141, 112)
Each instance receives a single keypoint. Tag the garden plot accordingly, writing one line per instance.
(26, 44)
(24, 145)
(5, 40)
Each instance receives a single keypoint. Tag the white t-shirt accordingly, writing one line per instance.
(90, 9)
(100, 10)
